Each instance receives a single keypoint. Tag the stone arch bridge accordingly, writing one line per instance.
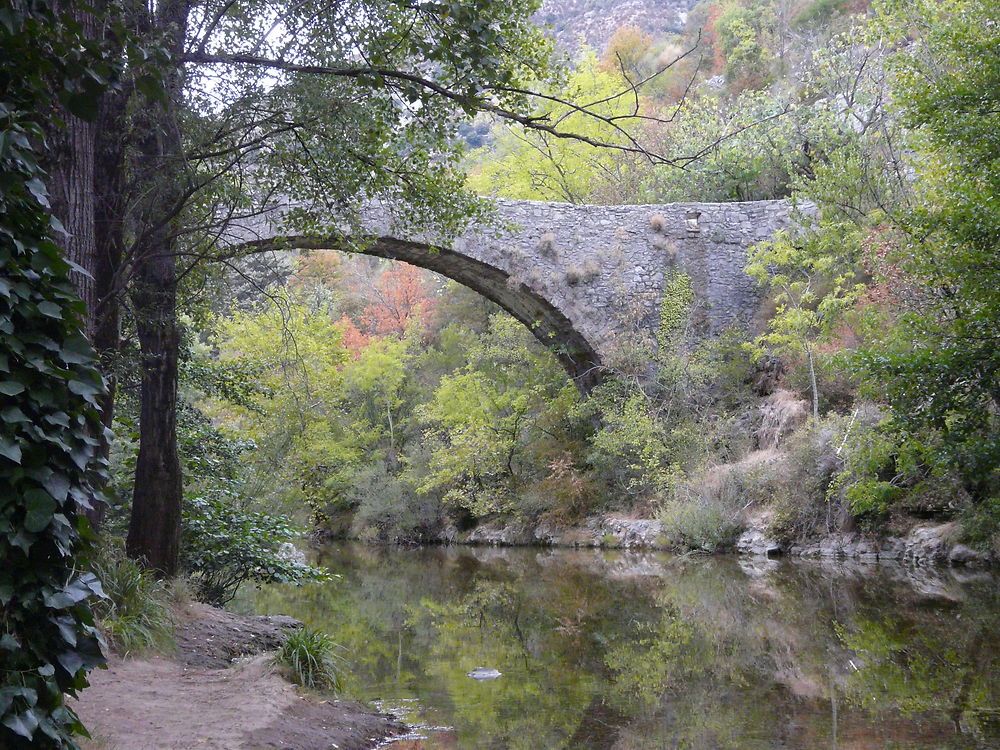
(582, 277)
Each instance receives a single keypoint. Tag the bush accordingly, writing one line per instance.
(700, 526)
(389, 508)
(981, 525)
(707, 513)
(225, 545)
(311, 657)
(135, 615)
(807, 499)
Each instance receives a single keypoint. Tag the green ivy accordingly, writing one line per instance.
(49, 390)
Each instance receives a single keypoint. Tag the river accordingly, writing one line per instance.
(635, 651)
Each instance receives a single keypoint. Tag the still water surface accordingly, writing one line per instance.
(641, 651)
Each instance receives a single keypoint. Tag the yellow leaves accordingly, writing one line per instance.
(537, 166)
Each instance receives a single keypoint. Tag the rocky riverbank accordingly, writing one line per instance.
(923, 544)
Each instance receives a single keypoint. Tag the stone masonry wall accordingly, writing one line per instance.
(604, 267)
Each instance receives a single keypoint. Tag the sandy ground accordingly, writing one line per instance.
(195, 700)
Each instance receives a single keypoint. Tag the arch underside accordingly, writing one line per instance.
(546, 322)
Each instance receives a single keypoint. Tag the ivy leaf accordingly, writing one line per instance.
(40, 507)
(71, 661)
(37, 188)
(23, 724)
(50, 309)
(10, 450)
(58, 485)
(11, 387)
(8, 694)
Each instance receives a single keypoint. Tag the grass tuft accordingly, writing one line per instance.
(311, 656)
(135, 616)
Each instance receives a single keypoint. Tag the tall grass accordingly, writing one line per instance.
(311, 655)
(135, 616)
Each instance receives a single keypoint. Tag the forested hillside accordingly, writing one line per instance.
(427, 409)
(256, 391)
(593, 22)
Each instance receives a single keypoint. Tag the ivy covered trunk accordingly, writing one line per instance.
(50, 391)
(74, 204)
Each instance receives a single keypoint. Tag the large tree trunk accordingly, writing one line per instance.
(74, 204)
(109, 242)
(155, 524)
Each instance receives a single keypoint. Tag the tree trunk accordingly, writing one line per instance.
(155, 524)
(109, 207)
(812, 379)
(74, 204)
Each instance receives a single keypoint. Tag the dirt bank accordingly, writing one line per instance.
(197, 699)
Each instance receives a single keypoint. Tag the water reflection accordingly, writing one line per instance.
(642, 651)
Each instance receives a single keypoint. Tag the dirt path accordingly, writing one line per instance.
(188, 702)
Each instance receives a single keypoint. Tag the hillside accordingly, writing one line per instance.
(594, 21)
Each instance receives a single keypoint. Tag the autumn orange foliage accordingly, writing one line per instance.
(400, 297)
(711, 37)
(353, 339)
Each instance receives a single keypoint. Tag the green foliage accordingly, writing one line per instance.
(312, 657)
(934, 351)
(50, 387)
(675, 311)
(704, 526)
(484, 418)
(135, 614)
(388, 506)
(226, 545)
(631, 448)
(981, 525)
(530, 164)
(740, 30)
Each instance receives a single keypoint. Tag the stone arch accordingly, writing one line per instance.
(578, 276)
(546, 322)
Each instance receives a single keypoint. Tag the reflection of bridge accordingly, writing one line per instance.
(583, 277)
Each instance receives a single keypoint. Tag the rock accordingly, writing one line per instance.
(754, 541)
(929, 542)
(290, 553)
(500, 536)
(449, 534)
(481, 673)
(962, 555)
(629, 532)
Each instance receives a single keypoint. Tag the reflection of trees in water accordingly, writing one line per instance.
(922, 663)
(710, 653)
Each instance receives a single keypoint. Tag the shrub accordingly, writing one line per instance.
(388, 506)
(135, 615)
(981, 525)
(807, 501)
(547, 244)
(225, 545)
(311, 657)
(707, 513)
(700, 526)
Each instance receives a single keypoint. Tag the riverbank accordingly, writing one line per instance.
(217, 690)
(922, 543)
